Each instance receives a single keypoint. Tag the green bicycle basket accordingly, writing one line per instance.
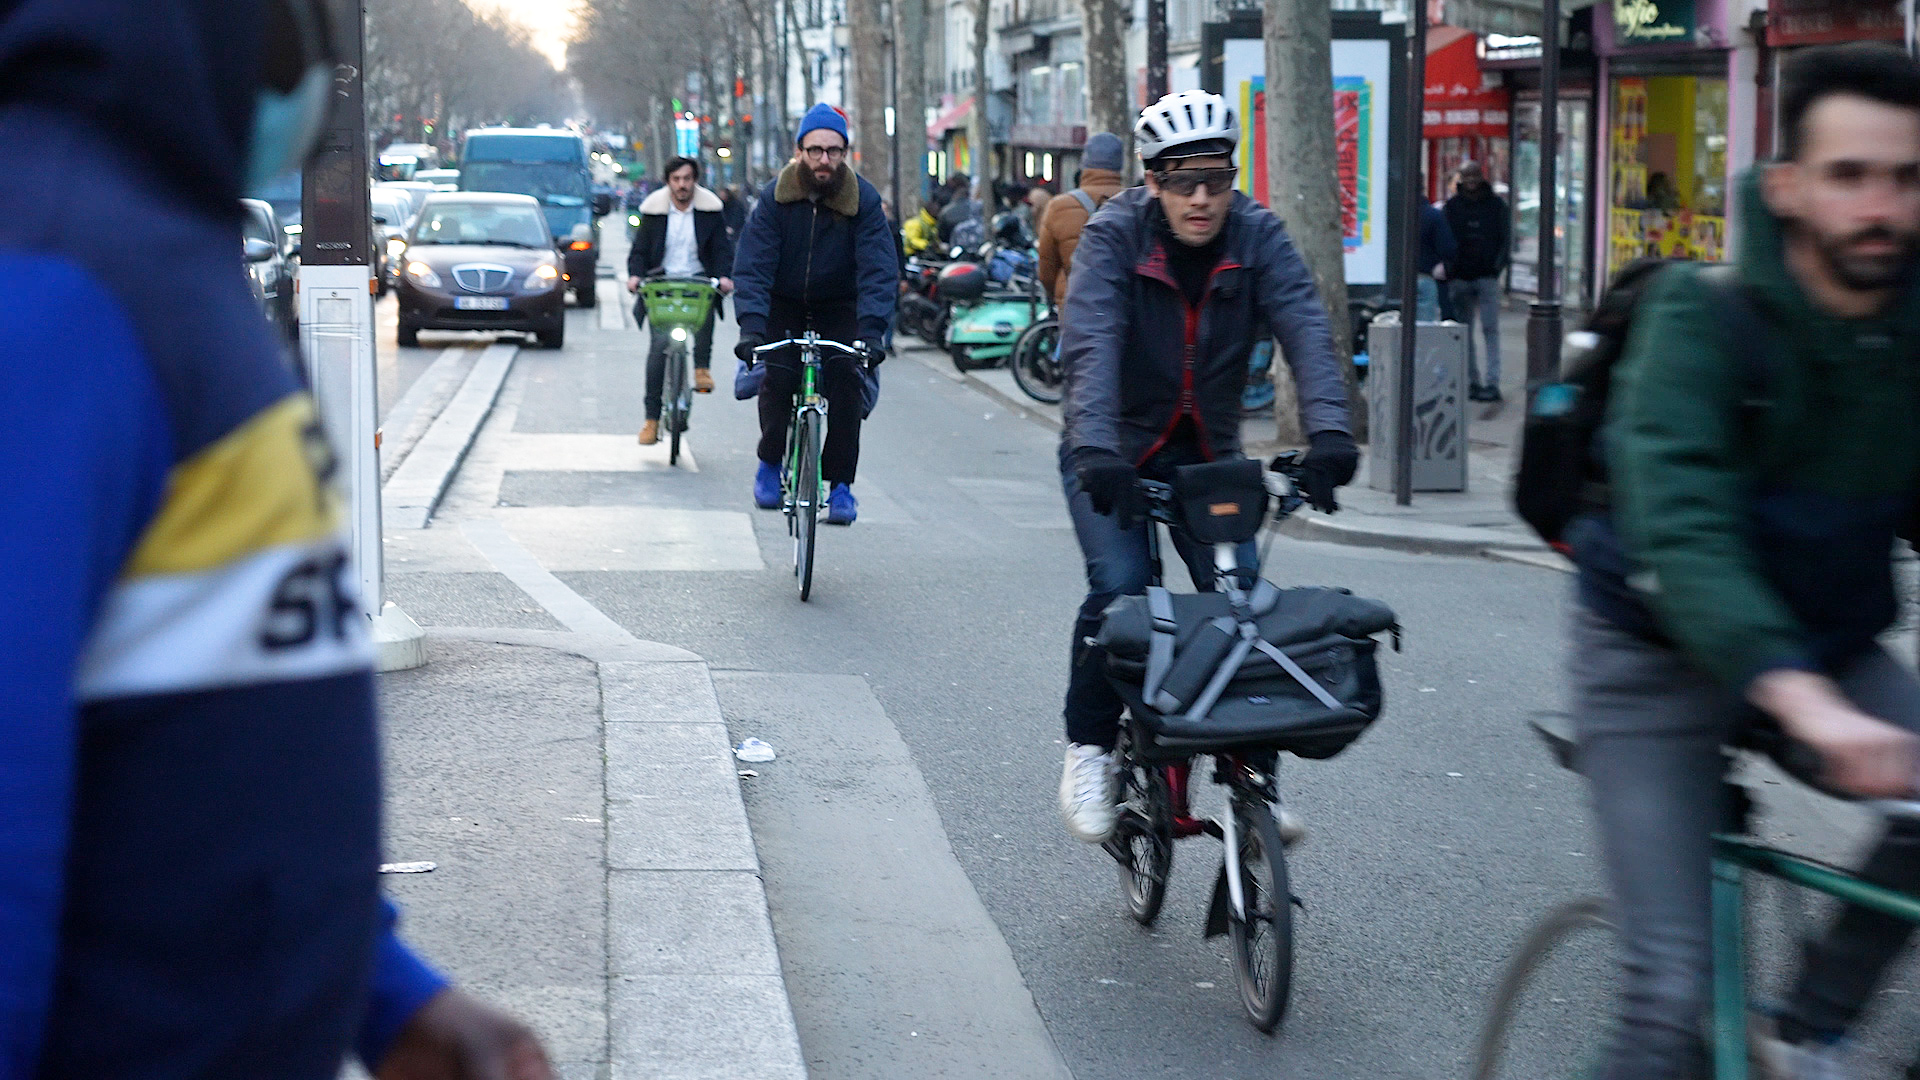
(681, 302)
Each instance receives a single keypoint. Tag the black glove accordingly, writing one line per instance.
(749, 341)
(1111, 484)
(1331, 460)
(870, 353)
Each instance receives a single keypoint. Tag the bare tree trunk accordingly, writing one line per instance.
(979, 134)
(800, 50)
(1304, 187)
(910, 59)
(873, 154)
(1103, 28)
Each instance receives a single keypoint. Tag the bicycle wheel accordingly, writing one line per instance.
(1143, 840)
(1262, 941)
(677, 405)
(1551, 1008)
(1035, 367)
(806, 499)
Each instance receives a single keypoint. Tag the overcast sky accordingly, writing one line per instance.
(550, 21)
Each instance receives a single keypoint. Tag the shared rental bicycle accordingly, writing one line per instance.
(1564, 964)
(678, 307)
(802, 491)
(1289, 670)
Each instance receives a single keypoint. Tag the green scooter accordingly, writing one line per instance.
(986, 317)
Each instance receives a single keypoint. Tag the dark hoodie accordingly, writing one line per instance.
(189, 789)
(1759, 537)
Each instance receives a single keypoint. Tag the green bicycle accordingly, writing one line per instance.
(678, 306)
(1560, 948)
(802, 491)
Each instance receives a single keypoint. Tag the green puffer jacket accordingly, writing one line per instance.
(1759, 534)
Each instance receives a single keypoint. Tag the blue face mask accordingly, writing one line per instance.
(285, 127)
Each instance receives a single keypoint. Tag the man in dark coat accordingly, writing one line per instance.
(683, 233)
(817, 254)
(1482, 229)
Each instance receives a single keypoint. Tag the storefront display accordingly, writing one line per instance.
(1570, 199)
(1667, 156)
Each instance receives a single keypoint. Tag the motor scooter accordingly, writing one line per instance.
(990, 307)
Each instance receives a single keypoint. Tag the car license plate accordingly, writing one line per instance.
(480, 303)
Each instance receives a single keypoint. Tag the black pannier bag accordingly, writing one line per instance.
(1293, 670)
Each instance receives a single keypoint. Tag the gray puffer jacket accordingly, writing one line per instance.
(1138, 358)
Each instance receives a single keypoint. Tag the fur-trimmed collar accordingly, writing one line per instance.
(845, 202)
(704, 201)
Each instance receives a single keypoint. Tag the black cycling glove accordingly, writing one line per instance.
(871, 352)
(1111, 484)
(749, 341)
(1332, 457)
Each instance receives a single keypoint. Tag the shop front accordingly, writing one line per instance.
(1666, 143)
(1466, 113)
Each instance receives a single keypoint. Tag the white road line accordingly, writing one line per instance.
(569, 607)
(610, 304)
(402, 428)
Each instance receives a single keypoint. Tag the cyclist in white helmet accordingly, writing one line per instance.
(1171, 286)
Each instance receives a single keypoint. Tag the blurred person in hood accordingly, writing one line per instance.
(189, 772)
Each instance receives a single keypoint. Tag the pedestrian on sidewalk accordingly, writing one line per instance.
(683, 233)
(817, 254)
(189, 766)
(1478, 218)
(1065, 216)
(1437, 248)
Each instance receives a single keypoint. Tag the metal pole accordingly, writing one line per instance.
(1156, 50)
(337, 339)
(1411, 197)
(893, 113)
(1543, 318)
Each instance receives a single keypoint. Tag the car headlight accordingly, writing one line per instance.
(395, 246)
(423, 274)
(542, 278)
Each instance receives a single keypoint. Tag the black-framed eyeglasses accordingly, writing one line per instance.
(1187, 181)
(824, 153)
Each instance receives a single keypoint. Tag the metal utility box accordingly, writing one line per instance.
(1439, 404)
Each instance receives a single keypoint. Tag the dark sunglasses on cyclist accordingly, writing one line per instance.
(1185, 182)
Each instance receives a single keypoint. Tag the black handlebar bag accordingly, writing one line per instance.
(1222, 502)
(1265, 668)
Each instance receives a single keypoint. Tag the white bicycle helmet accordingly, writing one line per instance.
(1189, 118)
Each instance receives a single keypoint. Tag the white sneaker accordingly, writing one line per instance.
(1292, 828)
(1779, 1060)
(1086, 793)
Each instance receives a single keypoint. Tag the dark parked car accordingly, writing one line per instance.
(392, 215)
(268, 265)
(482, 261)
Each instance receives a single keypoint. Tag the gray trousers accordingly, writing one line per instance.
(1479, 299)
(1650, 729)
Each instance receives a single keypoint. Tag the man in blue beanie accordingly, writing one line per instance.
(817, 254)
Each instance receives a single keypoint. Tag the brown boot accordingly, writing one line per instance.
(650, 433)
(702, 381)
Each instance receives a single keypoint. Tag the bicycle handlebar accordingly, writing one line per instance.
(709, 282)
(1282, 480)
(817, 342)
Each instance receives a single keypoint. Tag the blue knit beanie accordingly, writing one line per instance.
(821, 116)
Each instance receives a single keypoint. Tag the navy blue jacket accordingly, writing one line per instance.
(834, 252)
(189, 771)
(1437, 245)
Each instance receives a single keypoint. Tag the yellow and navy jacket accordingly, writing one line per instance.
(189, 783)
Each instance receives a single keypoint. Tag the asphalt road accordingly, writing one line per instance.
(1434, 840)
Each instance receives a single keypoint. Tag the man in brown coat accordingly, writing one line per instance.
(1065, 216)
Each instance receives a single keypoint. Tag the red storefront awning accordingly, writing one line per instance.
(1459, 102)
(952, 118)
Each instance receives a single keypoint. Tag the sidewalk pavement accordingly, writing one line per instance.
(573, 785)
(1479, 521)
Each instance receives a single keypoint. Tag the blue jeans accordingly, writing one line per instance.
(1426, 299)
(1118, 564)
(1479, 298)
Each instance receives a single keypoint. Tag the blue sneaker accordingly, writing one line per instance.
(766, 487)
(842, 507)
